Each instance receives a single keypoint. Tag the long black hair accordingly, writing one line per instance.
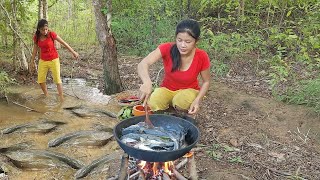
(41, 23)
(189, 26)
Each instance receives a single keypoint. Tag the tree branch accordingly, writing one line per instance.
(52, 4)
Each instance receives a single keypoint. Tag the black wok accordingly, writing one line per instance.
(158, 120)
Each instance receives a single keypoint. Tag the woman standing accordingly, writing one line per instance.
(182, 62)
(49, 57)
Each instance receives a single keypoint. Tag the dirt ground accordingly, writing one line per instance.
(245, 134)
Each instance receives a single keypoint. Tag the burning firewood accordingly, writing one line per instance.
(124, 167)
(141, 175)
(178, 175)
(182, 163)
(192, 168)
(165, 176)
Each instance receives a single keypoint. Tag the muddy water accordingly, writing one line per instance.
(26, 104)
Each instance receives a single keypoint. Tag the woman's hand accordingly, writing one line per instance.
(75, 55)
(194, 107)
(146, 89)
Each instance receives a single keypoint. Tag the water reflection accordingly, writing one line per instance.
(75, 87)
(26, 104)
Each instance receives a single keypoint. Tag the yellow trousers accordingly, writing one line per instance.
(161, 98)
(45, 66)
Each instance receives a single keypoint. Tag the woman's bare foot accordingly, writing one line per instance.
(61, 98)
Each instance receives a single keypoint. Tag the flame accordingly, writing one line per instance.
(155, 168)
(189, 154)
(167, 166)
(142, 164)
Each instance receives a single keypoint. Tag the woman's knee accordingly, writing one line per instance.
(184, 99)
(157, 103)
(160, 99)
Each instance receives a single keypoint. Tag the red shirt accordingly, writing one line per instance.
(47, 50)
(183, 79)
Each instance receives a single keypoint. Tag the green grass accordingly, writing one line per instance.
(305, 93)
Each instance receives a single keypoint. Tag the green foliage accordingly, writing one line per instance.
(220, 151)
(125, 113)
(285, 34)
(74, 22)
(219, 69)
(236, 159)
(142, 40)
(279, 71)
(5, 82)
(305, 93)
(225, 48)
(214, 153)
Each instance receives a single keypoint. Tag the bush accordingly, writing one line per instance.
(5, 81)
(306, 93)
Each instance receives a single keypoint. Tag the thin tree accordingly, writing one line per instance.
(18, 44)
(42, 14)
(43, 9)
(107, 42)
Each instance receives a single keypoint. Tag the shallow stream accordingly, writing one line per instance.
(27, 105)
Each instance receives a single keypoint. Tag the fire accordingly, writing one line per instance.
(156, 168)
(167, 167)
(189, 154)
(142, 164)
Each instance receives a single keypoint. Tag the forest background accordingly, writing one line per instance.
(279, 38)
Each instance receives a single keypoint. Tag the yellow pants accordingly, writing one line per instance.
(45, 66)
(162, 98)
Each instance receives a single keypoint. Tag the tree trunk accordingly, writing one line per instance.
(43, 9)
(18, 45)
(23, 60)
(189, 8)
(181, 9)
(40, 9)
(13, 24)
(14, 36)
(112, 79)
(42, 14)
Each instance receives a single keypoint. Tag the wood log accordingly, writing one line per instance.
(181, 164)
(165, 176)
(178, 175)
(113, 178)
(123, 175)
(134, 175)
(141, 175)
(192, 168)
(29, 109)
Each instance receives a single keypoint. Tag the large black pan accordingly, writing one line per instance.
(158, 120)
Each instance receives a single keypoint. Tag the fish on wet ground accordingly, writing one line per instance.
(39, 159)
(101, 127)
(84, 171)
(91, 138)
(43, 126)
(83, 111)
(15, 147)
(153, 139)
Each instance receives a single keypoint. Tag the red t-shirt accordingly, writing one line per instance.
(47, 50)
(183, 79)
